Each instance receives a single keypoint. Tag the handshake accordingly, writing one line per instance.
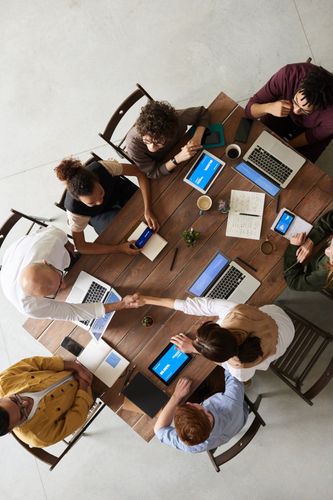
(133, 301)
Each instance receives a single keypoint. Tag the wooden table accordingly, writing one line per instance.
(174, 203)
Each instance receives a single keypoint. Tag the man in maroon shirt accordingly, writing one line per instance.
(297, 104)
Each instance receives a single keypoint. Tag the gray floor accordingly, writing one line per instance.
(65, 65)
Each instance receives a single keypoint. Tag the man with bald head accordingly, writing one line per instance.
(32, 274)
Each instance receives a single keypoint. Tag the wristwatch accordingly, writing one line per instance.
(174, 161)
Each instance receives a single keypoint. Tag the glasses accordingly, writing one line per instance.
(160, 144)
(62, 275)
(303, 111)
(19, 402)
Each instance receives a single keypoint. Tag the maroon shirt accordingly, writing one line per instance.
(284, 85)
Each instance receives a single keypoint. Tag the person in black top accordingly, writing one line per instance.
(95, 194)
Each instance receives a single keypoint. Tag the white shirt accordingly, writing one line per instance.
(47, 244)
(202, 306)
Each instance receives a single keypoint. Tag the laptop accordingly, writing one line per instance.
(276, 160)
(224, 279)
(89, 289)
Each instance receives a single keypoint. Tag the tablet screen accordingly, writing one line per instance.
(204, 171)
(258, 179)
(169, 363)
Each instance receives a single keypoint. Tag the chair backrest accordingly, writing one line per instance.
(233, 451)
(53, 460)
(303, 353)
(117, 116)
(12, 221)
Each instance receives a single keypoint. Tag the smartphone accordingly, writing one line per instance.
(243, 130)
(284, 222)
(142, 240)
(72, 346)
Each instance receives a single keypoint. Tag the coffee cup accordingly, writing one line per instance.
(204, 203)
(266, 247)
(233, 151)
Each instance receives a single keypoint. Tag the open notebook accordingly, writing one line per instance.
(153, 246)
(245, 215)
(103, 361)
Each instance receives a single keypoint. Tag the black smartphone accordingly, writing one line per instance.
(72, 346)
(243, 130)
(284, 222)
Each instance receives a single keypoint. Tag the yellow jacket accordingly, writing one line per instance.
(59, 413)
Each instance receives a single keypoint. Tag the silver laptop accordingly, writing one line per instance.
(275, 159)
(224, 279)
(89, 289)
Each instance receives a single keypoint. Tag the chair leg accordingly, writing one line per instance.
(254, 407)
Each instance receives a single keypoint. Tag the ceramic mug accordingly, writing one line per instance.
(233, 151)
(204, 203)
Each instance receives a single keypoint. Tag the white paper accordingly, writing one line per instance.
(298, 225)
(251, 205)
(154, 245)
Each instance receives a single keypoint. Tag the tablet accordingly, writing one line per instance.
(204, 171)
(169, 363)
(258, 179)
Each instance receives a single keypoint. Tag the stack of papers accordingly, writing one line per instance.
(245, 215)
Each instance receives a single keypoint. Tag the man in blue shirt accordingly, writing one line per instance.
(202, 427)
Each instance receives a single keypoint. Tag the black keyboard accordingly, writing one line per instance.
(227, 284)
(269, 164)
(95, 293)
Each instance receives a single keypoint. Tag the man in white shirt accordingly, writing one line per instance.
(32, 274)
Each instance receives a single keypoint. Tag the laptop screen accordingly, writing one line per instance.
(209, 275)
(99, 325)
(204, 171)
(258, 179)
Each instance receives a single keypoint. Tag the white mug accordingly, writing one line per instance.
(233, 151)
(204, 203)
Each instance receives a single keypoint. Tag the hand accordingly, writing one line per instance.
(82, 373)
(151, 220)
(187, 152)
(195, 142)
(280, 108)
(128, 248)
(83, 384)
(182, 389)
(183, 343)
(133, 301)
(304, 250)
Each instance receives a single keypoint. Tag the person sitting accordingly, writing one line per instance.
(157, 130)
(95, 194)
(33, 272)
(244, 338)
(205, 426)
(44, 399)
(297, 104)
(317, 274)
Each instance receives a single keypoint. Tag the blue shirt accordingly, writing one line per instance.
(230, 413)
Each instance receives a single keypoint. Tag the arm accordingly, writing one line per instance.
(297, 278)
(33, 364)
(234, 388)
(85, 247)
(322, 229)
(181, 392)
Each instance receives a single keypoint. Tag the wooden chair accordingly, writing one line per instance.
(53, 460)
(120, 112)
(224, 457)
(302, 355)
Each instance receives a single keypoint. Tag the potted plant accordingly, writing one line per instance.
(190, 236)
(147, 321)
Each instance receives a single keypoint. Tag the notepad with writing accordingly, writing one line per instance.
(245, 215)
(103, 361)
(154, 245)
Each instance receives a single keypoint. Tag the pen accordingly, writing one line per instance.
(251, 215)
(277, 207)
(246, 264)
(174, 258)
(128, 376)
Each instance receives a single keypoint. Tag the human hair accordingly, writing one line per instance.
(158, 119)
(79, 180)
(4, 421)
(192, 425)
(219, 344)
(317, 88)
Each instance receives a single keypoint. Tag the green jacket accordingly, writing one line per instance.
(313, 276)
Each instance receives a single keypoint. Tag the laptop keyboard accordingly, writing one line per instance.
(95, 293)
(227, 284)
(269, 164)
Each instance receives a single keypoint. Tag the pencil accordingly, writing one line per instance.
(246, 264)
(277, 207)
(174, 258)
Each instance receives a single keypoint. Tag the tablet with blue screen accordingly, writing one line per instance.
(169, 363)
(204, 171)
(258, 178)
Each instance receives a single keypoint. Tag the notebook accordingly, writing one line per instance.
(245, 214)
(103, 361)
(88, 289)
(145, 395)
(154, 245)
(224, 279)
(288, 224)
(276, 160)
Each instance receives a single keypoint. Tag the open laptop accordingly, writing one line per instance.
(89, 289)
(224, 279)
(276, 160)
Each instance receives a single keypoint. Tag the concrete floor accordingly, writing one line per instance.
(65, 66)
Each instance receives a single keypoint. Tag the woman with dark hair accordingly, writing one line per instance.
(95, 194)
(243, 339)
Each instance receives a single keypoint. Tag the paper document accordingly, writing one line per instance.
(154, 245)
(298, 225)
(103, 361)
(245, 215)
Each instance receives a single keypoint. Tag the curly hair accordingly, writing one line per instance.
(79, 181)
(317, 88)
(158, 119)
(192, 425)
